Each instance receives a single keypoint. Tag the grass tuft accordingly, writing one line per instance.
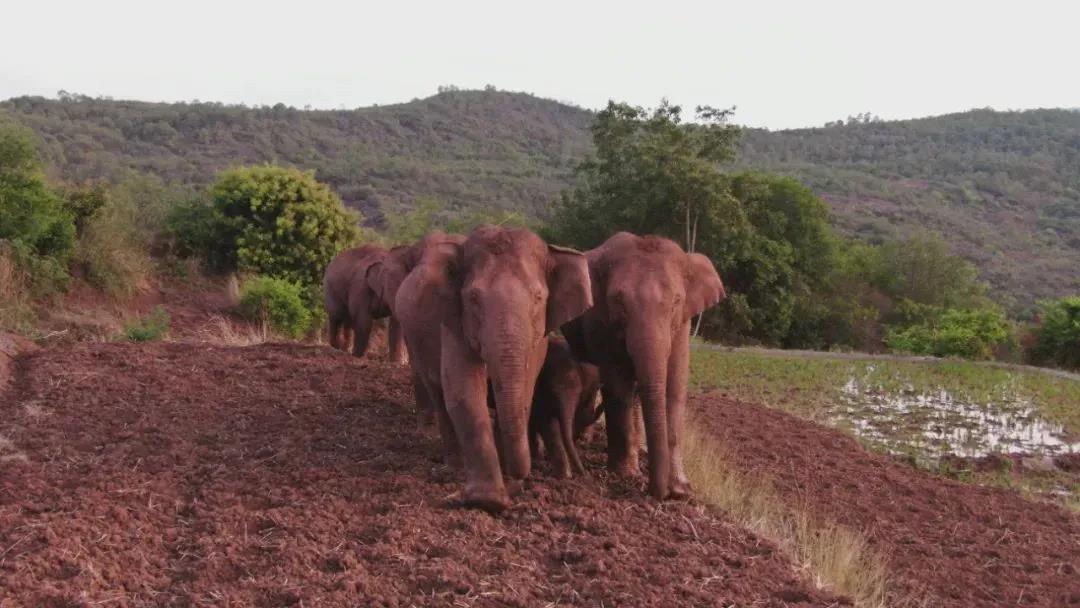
(837, 558)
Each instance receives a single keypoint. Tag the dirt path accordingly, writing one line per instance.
(958, 545)
(288, 475)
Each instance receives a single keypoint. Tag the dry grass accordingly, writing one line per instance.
(15, 300)
(836, 558)
(222, 330)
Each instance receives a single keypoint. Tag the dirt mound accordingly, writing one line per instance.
(285, 475)
(955, 544)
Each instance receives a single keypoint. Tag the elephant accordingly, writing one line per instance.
(479, 311)
(645, 291)
(564, 406)
(353, 301)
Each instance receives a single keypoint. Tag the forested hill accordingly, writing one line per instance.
(1004, 187)
(468, 149)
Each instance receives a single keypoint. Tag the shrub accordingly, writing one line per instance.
(282, 223)
(971, 334)
(151, 328)
(278, 303)
(194, 229)
(32, 217)
(1057, 338)
(112, 249)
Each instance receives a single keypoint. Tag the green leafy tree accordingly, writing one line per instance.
(39, 230)
(30, 213)
(651, 173)
(282, 222)
(1057, 338)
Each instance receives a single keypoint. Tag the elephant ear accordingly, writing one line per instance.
(569, 286)
(449, 266)
(704, 289)
(388, 277)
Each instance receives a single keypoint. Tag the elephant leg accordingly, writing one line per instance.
(556, 449)
(618, 400)
(678, 375)
(464, 384)
(361, 329)
(333, 332)
(567, 410)
(396, 343)
(425, 408)
(451, 447)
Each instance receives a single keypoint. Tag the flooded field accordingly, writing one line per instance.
(935, 422)
(1018, 428)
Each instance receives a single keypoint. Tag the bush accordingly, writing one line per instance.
(278, 303)
(281, 223)
(33, 219)
(194, 229)
(112, 249)
(1057, 338)
(152, 328)
(971, 334)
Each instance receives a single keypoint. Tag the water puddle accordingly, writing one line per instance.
(937, 423)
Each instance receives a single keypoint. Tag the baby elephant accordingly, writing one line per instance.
(564, 406)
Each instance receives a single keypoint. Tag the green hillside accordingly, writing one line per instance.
(469, 149)
(1003, 187)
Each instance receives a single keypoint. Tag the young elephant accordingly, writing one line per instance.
(480, 311)
(645, 290)
(564, 405)
(353, 300)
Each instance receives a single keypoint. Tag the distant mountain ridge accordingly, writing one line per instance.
(1004, 187)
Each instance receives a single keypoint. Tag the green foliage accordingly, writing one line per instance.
(651, 174)
(283, 223)
(971, 334)
(84, 202)
(152, 328)
(278, 303)
(1057, 337)
(195, 229)
(32, 217)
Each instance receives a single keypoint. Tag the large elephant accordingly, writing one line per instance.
(479, 311)
(353, 298)
(564, 406)
(645, 291)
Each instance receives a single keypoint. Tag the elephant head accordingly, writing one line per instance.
(507, 291)
(646, 290)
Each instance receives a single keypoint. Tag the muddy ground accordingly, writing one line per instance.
(176, 474)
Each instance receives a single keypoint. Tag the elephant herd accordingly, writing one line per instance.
(475, 313)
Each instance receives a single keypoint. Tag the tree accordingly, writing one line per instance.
(651, 174)
(31, 215)
(1057, 338)
(40, 232)
(282, 223)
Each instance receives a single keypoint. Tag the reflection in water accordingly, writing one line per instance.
(937, 423)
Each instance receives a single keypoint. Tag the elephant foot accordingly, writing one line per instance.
(492, 500)
(680, 490)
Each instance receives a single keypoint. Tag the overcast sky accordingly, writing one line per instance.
(783, 64)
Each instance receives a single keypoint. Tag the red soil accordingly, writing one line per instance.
(289, 475)
(949, 543)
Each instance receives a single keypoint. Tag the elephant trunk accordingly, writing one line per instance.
(650, 349)
(513, 382)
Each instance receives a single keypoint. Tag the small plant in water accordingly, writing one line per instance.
(151, 328)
